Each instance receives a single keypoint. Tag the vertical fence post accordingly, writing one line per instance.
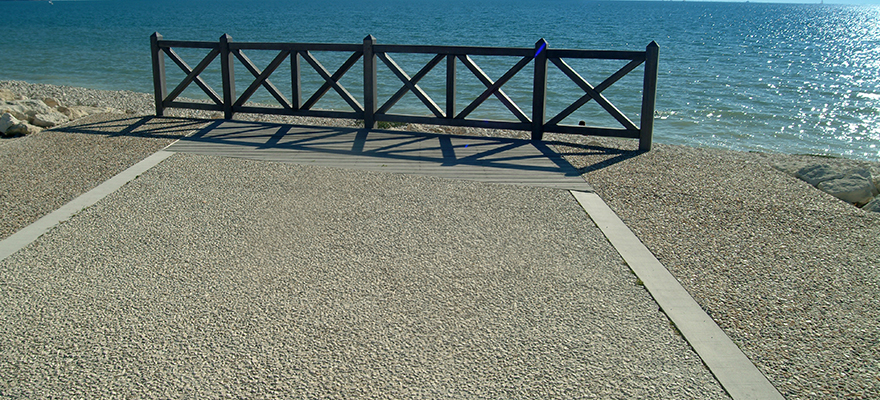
(539, 95)
(227, 68)
(160, 88)
(295, 86)
(649, 96)
(370, 83)
(450, 86)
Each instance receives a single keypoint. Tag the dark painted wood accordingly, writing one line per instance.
(596, 54)
(592, 131)
(227, 67)
(649, 96)
(494, 88)
(489, 124)
(370, 112)
(595, 95)
(159, 81)
(411, 84)
(192, 75)
(349, 48)
(539, 91)
(295, 81)
(450, 85)
(194, 106)
(455, 50)
(303, 113)
(166, 44)
(262, 78)
(371, 82)
(629, 67)
(332, 81)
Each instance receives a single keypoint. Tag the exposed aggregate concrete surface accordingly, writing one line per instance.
(790, 273)
(44, 171)
(215, 277)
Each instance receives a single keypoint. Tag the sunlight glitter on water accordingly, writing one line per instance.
(791, 78)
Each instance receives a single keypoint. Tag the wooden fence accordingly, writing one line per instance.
(371, 111)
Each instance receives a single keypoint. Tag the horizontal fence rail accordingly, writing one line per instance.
(371, 110)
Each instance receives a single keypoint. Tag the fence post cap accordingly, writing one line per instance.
(156, 35)
(540, 46)
(370, 38)
(226, 37)
(653, 44)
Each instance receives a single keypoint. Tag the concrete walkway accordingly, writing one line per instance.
(218, 276)
(483, 159)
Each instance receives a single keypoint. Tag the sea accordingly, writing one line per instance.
(787, 78)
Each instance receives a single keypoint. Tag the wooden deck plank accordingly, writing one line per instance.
(493, 160)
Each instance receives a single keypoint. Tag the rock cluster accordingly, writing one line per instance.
(22, 116)
(858, 185)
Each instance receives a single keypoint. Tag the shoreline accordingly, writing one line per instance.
(790, 273)
(132, 102)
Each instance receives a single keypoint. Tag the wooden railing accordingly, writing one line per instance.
(371, 111)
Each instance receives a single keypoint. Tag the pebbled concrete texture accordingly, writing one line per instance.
(215, 277)
(45, 171)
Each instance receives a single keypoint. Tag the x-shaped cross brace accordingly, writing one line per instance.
(594, 93)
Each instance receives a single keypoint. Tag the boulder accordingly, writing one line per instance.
(873, 206)
(7, 121)
(35, 107)
(18, 111)
(22, 128)
(853, 188)
(815, 174)
(875, 178)
(49, 120)
(51, 102)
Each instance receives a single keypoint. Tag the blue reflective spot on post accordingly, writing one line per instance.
(540, 49)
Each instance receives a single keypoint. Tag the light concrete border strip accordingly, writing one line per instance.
(739, 376)
(28, 234)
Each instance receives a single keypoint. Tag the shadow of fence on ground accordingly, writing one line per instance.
(598, 157)
(440, 149)
(139, 126)
(403, 146)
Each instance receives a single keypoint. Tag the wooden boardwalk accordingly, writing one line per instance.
(484, 159)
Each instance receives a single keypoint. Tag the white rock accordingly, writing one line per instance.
(865, 173)
(7, 120)
(66, 111)
(51, 102)
(873, 206)
(815, 174)
(35, 107)
(22, 128)
(875, 178)
(49, 120)
(853, 188)
(17, 110)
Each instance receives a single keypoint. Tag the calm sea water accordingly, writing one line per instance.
(747, 76)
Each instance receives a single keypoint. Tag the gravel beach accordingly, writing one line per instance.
(790, 273)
